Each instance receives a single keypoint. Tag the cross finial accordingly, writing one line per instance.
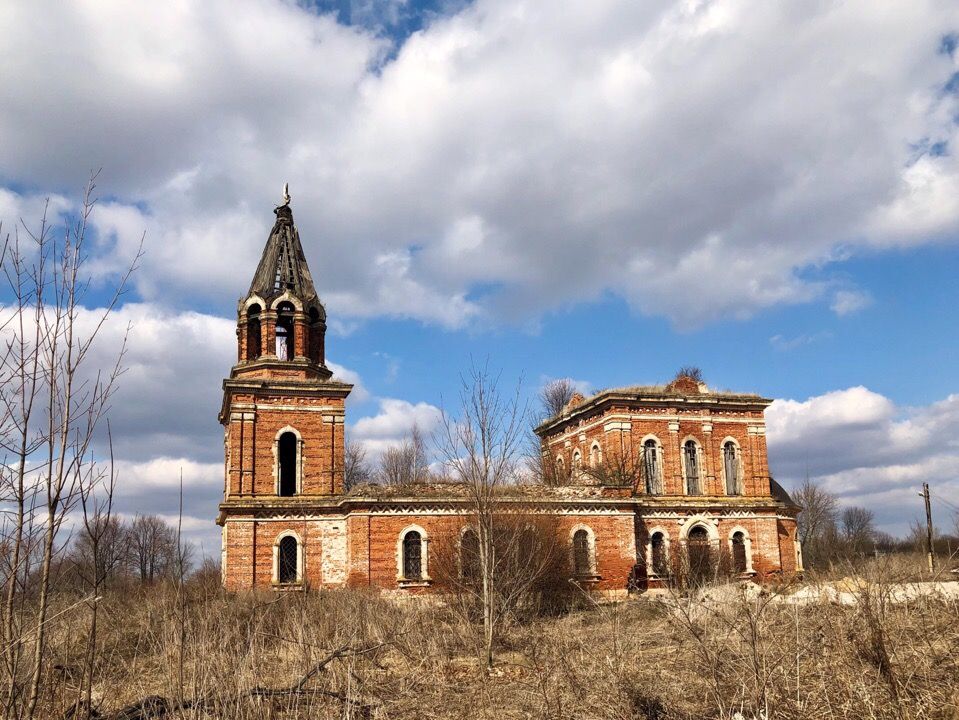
(286, 194)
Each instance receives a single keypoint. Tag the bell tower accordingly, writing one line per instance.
(282, 412)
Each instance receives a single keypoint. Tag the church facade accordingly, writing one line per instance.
(643, 484)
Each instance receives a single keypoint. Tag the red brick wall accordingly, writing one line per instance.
(251, 439)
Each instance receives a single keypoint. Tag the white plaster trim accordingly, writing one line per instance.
(254, 300)
(709, 523)
(424, 554)
(747, 542)
(740, 486)
(699, 466)
(299, 555)
(591, 544)
(595, 459)
(287, 297)
(650, 568)
(276, 460)
(674, 420)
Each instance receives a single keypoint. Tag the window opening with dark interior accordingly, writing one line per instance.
(287, 451)
(284, 331)
(412, 556)
(739, 552)
(289, 550)
(253, 342)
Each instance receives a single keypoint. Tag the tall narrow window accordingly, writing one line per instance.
(739, 553)
(316, 336)
(287, 452)
(595, 456)
(577, 466)
(412, 556)
(658, 546)
(254, 346)
(699, 555)
(288, 560)
(731, 464)
(582, 560)
(691, 454)
(469, 556)
(651, 473)
(284, 331)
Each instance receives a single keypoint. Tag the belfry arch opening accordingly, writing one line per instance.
(287, 456)
(284, 331)
(254, 345)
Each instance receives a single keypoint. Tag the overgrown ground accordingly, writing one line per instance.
(252, 656)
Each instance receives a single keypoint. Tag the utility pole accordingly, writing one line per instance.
(930, 557)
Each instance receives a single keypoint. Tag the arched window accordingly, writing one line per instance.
(582, 553)
(699, 555)
(254, 347)
(560, 470)
(469, 556)
(412, 556)
(287, 460)
(316, 336)
(731, 466)
(691, 458)
(658, 552)
(288, 560)
(577, 465)
(595, 455)
(284, 331)
(740, 562)
(652, 474)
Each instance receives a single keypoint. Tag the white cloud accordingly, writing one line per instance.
(393, 423)
(870, 452)
(785, 344)
(691, 157)
(847, 302)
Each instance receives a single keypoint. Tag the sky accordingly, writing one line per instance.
(604, 191)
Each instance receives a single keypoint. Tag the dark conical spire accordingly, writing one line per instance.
(283, 266)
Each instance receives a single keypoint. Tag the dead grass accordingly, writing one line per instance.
(672, 658)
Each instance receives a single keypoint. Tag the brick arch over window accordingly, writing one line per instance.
(732, 466)
(691, 461)
(412, 555)
(288, 560)
(741, 550)
(595, 454)
(583, 542)
(657, 552)
(288, 462)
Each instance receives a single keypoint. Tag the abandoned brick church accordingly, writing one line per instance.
(702, 491)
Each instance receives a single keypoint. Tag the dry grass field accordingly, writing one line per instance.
(349, 654)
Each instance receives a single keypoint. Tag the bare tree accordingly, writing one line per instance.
(690, 371)
(356, 468)
(152, 547)
(555, 395)
(857, 528)
(817, 521)
(55, 400)
(482, 448)
(406, 463)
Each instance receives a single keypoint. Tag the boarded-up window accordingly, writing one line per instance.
(412, 556)
(731, 464)
(287, 456)
(288, 560)
(651, 468)
(658, 546)
(582, 560)
(691, 455)
(739, 553)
